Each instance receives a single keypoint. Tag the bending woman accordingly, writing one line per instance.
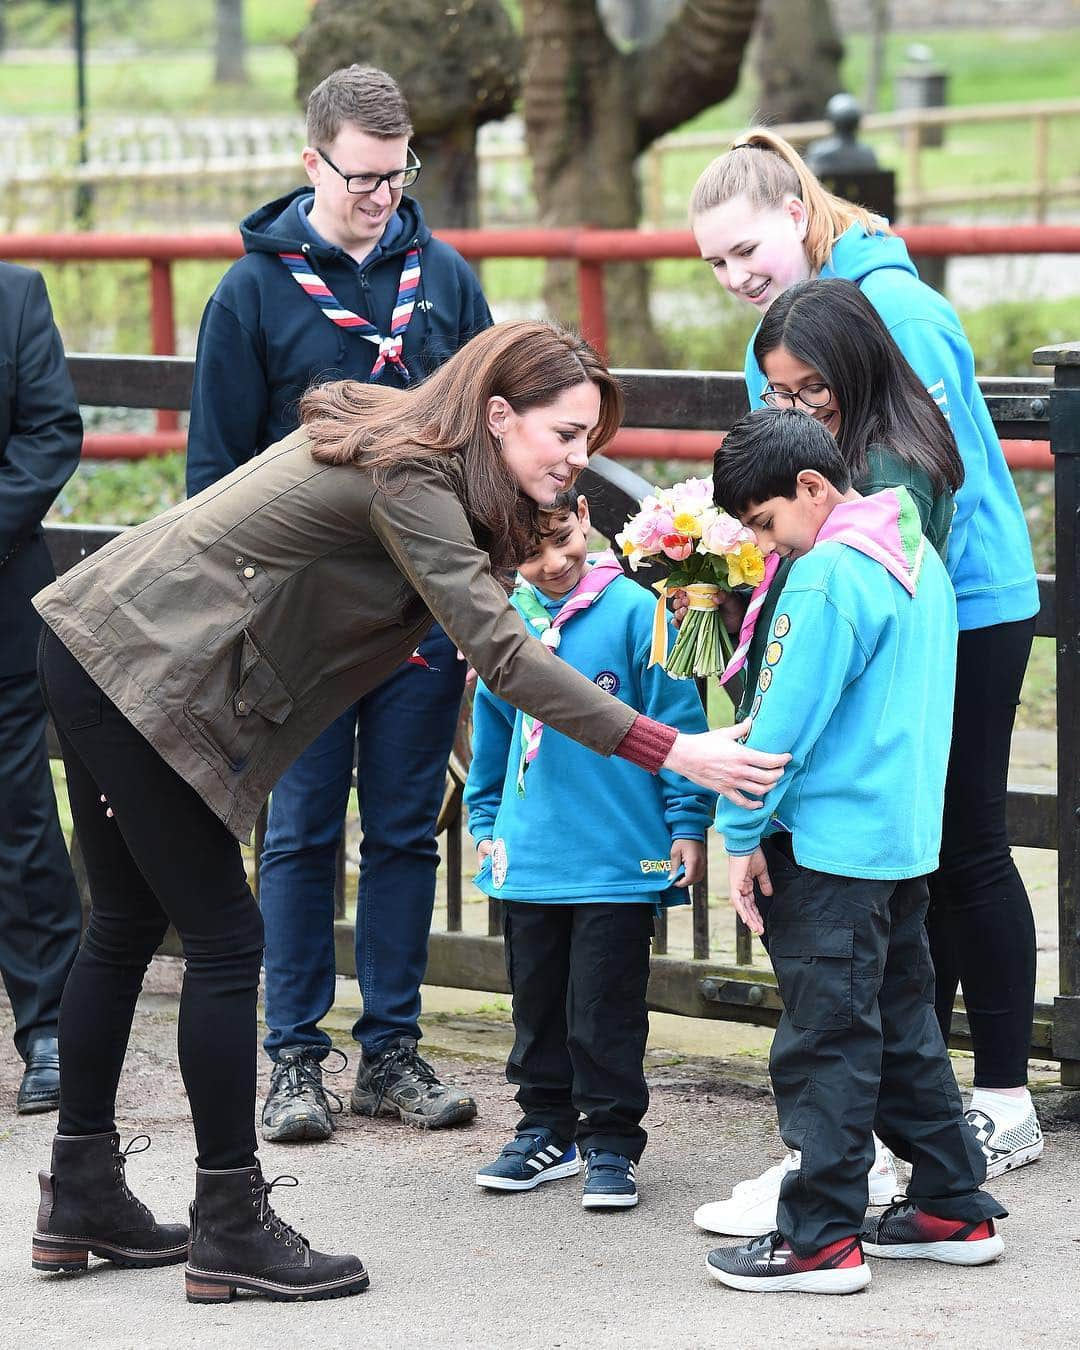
(190, 660)
(763, 222)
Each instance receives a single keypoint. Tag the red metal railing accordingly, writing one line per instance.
(590, 249)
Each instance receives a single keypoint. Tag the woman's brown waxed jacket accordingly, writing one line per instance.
(232, 629)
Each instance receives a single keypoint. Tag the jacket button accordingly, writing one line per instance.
(241, 706)
(249, 572)
(239, 562)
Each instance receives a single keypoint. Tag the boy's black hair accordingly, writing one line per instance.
(548, 518)
(764, 453)
(565, 504)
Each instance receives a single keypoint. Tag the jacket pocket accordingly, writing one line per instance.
(236, 699)
(813, 964)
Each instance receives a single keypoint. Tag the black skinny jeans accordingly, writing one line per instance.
(982, 933)
(163, 857)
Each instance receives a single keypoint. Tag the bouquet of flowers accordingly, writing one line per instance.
(710, 552)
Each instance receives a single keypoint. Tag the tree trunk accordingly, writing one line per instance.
(581, 131)
(798, 60)
(875, 69)
(230, 49)
(590, 110)
(448, 186)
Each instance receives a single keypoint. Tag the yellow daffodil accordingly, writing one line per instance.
(746, 566)
(686, 522)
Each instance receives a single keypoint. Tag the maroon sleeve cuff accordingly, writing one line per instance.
(647, 744)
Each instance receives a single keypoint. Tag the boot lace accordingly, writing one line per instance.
(293, 1077)
(270, 1221)
(402, 1061)
(139, 1144)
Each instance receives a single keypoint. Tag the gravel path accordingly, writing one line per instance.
(454, 1266)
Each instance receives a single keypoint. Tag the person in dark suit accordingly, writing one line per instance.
(40, 440)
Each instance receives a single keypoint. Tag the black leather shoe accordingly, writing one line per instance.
(40, 1086)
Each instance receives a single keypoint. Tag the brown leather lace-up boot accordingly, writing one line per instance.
(238, 1242)
(86, 1209)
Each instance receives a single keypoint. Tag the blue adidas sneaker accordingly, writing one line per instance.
(530, 1158)
(609, 1181)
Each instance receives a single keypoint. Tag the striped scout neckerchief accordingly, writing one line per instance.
(389, 347)
(753, 609)
(604, 570)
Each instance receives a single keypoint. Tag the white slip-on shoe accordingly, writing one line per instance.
(751, 1210)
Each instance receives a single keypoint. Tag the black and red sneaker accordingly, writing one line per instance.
(767, 1265)
(907, 1233)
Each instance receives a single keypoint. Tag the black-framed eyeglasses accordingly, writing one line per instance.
(810, 396)
(361, 184)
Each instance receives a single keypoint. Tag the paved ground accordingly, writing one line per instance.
(453, 1266)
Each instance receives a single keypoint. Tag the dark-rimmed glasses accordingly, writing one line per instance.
(362, 184)
(810, 396)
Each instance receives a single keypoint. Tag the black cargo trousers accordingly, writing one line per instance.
(859, 1049)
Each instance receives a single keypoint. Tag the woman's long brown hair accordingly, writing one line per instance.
(529, 364)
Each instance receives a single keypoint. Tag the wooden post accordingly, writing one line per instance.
(1065, 446)
(912, 172)
(1040, 160)
(162, 327)
(654, 185)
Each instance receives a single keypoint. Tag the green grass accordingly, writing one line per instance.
(151, 24)
(166, 84)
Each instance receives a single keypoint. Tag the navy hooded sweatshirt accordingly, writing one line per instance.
(263, 341)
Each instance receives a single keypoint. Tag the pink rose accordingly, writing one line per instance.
(723, 534)
(677, 547)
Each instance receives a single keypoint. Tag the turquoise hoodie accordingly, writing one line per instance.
(989, 556)
(857, 683)
(587, 829)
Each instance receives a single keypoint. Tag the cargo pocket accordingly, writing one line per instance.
(233, 703)
(813, 964)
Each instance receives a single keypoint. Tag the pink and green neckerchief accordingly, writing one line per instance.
(389, 347)
(598, 577)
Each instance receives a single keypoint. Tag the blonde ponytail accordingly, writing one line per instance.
(765, 169)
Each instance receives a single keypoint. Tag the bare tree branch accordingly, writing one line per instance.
(694, 65)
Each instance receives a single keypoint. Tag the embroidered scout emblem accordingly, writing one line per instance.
(782, 626)
(764, 679)
(773, 652)
(498, 863)
(648, 865)
(608, 681)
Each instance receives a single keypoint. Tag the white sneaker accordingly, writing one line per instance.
(1006, 1143)
(751, 1211)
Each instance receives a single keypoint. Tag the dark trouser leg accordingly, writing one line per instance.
(827, 938)
(296, 887)
(164, 856)
(608, 1024)
(920, 1114)
(982, 933)
(39, 901)
(405, 729)
(538, 962)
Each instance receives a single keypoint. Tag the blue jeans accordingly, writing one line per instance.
(403, 729)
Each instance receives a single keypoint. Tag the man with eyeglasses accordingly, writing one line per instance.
(343, 279)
